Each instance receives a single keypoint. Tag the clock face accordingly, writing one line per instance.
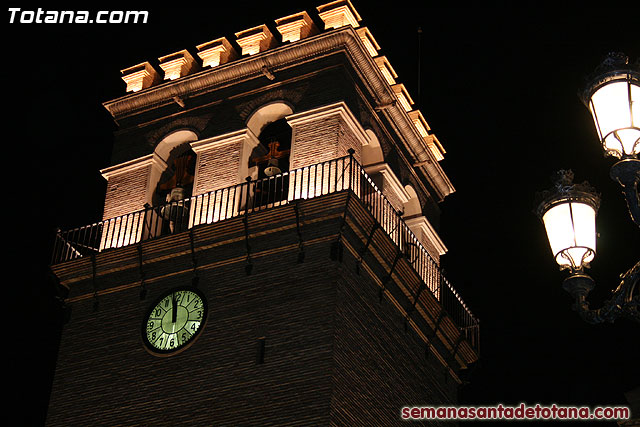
(175, 321)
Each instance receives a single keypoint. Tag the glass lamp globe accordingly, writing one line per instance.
(568, 212)
(613, 98)
(571, 231)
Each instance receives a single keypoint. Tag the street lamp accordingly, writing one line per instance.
(613, 97)
(569, 216)
(569, 210)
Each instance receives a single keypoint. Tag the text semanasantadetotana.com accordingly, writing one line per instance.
(520, 412)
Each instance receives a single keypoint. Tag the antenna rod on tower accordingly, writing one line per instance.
(419, 61)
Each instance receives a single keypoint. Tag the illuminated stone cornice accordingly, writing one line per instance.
(343, 40)
(216, 52)
(425, 131)
(255, 40)
(390, 179)
(127, 167)
(386, 69)
(177, 64)
(369, 42)
(420, 123)
(340, 109)
(338, 14)
(436, 147)
(421, 225)
(140, 77)
(403, 96)
(218, 140)
(295, 27)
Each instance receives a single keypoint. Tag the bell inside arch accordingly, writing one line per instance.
(270, 159)
(182, 173)
(272, 168)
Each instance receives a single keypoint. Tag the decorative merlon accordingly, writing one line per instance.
(140, 77)
(424, 130)
(216, 52)
(370, 43)
(255, 40)
(436, 147)
(295, 27)
(420, 123)
(338, 14)
(403, 96)
(386, 69)
(177, 64)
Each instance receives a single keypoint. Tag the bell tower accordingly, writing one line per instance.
(269, 251)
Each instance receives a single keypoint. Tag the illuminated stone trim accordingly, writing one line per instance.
(177, 64)
(403, 96)
(216, 52)
(338, 14)
(295, 27)
(255, 40)
(386, 69)
(139, 77)
(390, 179)
(341, 109)
(127, 167)
(436, 147)
(420, 123)
(217, 141)
(127, 186)
(345, 40)
(233, 148)
(324, 133)
(423, 230)
(424, 130)
(370, 43)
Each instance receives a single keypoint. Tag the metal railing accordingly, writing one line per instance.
(254, 195)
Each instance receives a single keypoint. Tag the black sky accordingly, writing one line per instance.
(498, 87)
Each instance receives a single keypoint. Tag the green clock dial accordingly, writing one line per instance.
(175, 320)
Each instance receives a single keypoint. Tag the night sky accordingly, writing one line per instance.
(498, 86)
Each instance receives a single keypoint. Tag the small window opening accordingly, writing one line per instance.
(261, 348)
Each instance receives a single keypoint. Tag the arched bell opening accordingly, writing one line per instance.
(174, 188)
(271, 158)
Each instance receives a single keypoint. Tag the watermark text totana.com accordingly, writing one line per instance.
(40, 16)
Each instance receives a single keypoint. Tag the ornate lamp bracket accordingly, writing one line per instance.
(626, 172)
(623, 303)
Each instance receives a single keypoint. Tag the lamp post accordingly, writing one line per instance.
(569, 210)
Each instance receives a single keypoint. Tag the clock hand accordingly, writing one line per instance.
(174, 309)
